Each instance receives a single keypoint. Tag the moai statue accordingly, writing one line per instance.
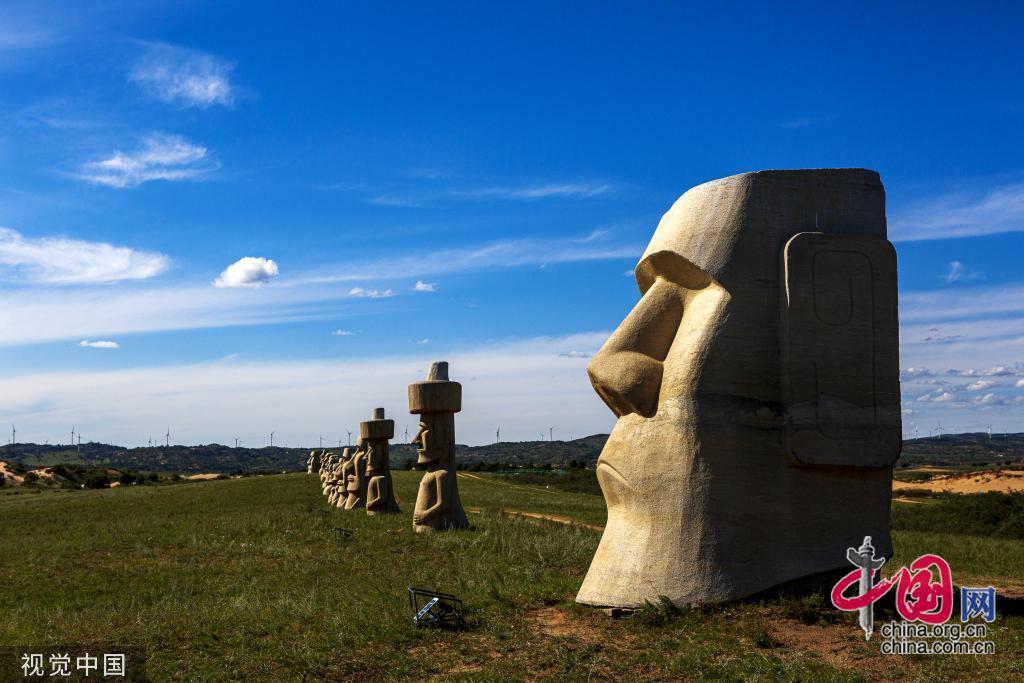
(336, 488)
(341, 469)
(325, 465)
(756, 385)
(380, 495)
(355, 477)
(313, 464)
(326, 472)
(436, 401)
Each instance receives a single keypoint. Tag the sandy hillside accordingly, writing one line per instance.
(202, 477)
(971, 482)
(10, 478)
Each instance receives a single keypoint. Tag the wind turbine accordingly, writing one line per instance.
(321, 441)
(79, 442)
(168, 444)
(271, 439)
(551, 433)
(989, 429)
(150, 441)
(407, 433)
(349, 436)
(938, 429)
(497, 436)
(14, 435)
(72, 435)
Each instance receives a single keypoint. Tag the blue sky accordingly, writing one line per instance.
(406, 182)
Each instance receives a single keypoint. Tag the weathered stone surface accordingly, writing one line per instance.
(380, 495)
(354, 474)
(756, 389)
(436, 400)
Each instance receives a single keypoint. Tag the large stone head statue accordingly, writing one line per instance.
(756, 388)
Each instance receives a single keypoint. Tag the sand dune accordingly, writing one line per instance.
(970, 482)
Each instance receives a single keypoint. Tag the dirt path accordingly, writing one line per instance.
(496, 482)
(559, 519)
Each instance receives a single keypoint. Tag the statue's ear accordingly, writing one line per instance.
(840, 350)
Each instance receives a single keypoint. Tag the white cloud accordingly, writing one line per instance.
(959, 272)
(1019, 384)
(982, 384)
(501, 254)
(99, 344)
(1000, 209)
(248, 271)
(188, 77)
(943, 397)
(160, 157)
(423, 341)
(801, 122)
(33, 315)
(574, 354)
(519, 384)
(578, 190)
(370, 293)
(391, 195)
(61, 260)
(422, 286)
(343, 333)
(991, 400)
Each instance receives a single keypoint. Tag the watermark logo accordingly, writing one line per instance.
(924, 599)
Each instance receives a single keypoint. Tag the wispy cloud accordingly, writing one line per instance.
(159, 157)
(35, 314)
(99, 344)
(577, 190)
(962, 214)
(802, 122)
(248, 271)
(422, 286)
(518, 384)
(343, 333)
(360, 292)
(184, 76)
(61, 260)
(390, 194)
(501, 254)
(958, 272)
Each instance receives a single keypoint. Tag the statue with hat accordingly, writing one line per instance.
(436, 400)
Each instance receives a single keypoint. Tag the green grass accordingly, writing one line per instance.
(242, 579)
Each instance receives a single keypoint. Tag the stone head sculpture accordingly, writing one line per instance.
(436, 400)
(355, 477)
(756, 388)
(375, 433)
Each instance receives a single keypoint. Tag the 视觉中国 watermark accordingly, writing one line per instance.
(923, 592)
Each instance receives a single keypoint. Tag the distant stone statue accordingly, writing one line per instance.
(355, 477)
(380, 495)
(313, 463)
(436, 401)
(325, 464)
(336, 493)
(327, 472)
(756, 385)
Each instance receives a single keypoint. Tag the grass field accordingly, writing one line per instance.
(243, 579)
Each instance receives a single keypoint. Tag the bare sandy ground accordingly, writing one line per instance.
(202, 477)
(970, 482)
(10, 478)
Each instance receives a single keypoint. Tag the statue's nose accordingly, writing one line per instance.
(627, 371)
(628, 382)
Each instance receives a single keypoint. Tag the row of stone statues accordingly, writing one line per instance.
(361, 477)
